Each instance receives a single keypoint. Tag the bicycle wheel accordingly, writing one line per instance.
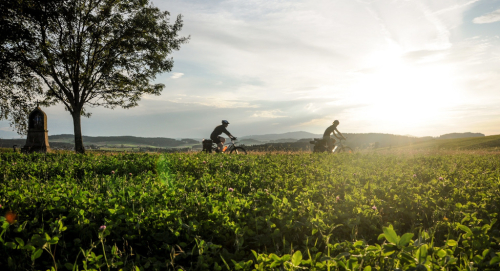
(238, 150)
(346, 150)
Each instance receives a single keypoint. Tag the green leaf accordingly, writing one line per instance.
(314, 231)
(422, 254)
(297, 258)
(20, 241)
(36, 254)
(225, 263)
(391, 236)
(275, 264)
(11, 245)
(29, 247)
(255, 254)
(389, 249)
(466, 229)
(407, 258)
(352, 264)
(405, 239)
(237, 266)
(367, 268)
(358, 244)
(441, 253)
(451, 243)
(343, 254)
(495, 260)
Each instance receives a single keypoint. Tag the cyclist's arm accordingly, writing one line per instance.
(339, 134)
(228, 133)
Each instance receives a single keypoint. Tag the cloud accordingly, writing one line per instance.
(268, 114)
(212, 102)
(7, 129)
(488, 18)
(291, 63)
(176, 75)
(456, 6)
(325, 121)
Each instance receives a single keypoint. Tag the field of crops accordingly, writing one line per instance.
(367, 211)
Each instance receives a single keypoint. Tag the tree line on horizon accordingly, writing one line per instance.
(355, 140)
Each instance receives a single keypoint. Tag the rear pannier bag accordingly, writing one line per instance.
(207, 145)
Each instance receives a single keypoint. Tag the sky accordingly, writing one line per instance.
(407, 67)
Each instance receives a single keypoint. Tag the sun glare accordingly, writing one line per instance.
(397, 94)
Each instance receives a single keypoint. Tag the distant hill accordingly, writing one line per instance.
(290, 135)
(360, 141)
(296, 140)
(469, 143)
(67, 141)
(9, 143)
(283, 140)
(249, 141)
(354, 140)
(460, 135)
(125, 140)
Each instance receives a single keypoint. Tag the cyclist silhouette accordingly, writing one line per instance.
(219, 140)
(332, 129)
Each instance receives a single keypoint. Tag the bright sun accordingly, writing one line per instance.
(398, 95)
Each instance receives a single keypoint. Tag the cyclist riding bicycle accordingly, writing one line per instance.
(332, 129)
(219, 140)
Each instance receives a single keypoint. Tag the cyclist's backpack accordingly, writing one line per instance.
(207, 145)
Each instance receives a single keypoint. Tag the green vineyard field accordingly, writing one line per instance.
(295, 211)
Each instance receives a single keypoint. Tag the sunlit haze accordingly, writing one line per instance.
(415, 67)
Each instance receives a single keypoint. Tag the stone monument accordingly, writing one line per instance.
(38, 139)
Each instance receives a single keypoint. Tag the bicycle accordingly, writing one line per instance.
(339, 147)
(320, 145)
(209, 145)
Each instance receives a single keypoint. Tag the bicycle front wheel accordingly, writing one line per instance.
(238, 150)
(346, 150)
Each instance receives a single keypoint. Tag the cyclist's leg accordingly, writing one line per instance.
(329, 142)
(221, 144)
(216, 140)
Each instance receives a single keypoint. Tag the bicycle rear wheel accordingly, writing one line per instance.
(238, 150)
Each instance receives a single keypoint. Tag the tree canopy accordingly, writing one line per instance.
(83, 53)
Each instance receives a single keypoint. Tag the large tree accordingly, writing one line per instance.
(84, 53)
(18, 87)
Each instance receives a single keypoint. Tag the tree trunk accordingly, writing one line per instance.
(77, 125)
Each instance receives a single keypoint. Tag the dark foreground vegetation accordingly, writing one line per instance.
(219, 212)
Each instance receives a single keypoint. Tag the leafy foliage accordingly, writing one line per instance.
(253, 212)
(85, 53)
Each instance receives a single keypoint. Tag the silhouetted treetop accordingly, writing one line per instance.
(86, 53)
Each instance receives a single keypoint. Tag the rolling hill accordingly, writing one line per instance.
(297, 139)
(470, 143)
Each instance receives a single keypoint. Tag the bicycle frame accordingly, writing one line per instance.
(338, 145)
(228, 149)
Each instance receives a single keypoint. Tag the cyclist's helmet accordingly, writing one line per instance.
(225, 122)
(336, 122)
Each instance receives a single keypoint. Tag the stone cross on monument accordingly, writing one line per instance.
(38, 139)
